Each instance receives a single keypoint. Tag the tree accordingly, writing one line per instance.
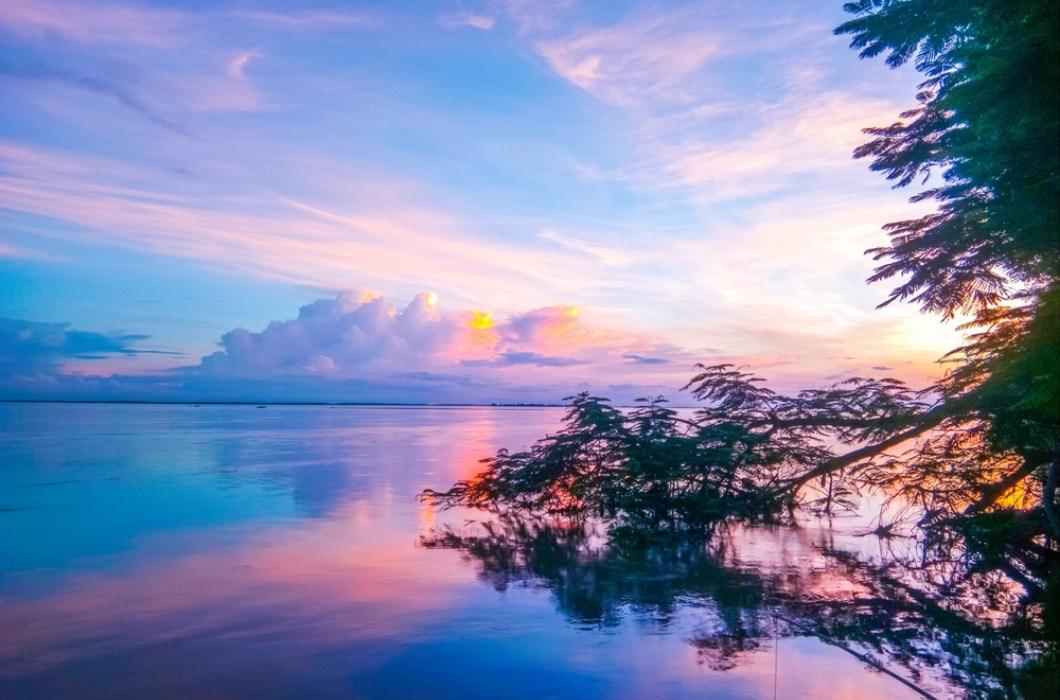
(887, 619)
(985, 135)
(986, 130)
(975, 458)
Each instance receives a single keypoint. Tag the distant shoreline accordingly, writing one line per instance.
(344, 404)
(367, 404)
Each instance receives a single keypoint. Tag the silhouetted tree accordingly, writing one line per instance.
(975, 458)
(888, 617)
(985, 136)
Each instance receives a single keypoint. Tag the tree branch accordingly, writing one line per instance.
(923, 423)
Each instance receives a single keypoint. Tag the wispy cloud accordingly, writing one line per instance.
(535, 16)
(384, 238)
(642, 60)
(316, 20)
(93, 22)
(100, 86)
(666, 69)
(678, 168)
(237, 67)
(644, 360)
(511, 357)
(9, 250)
(456, 20)
(745, 287)
(781, 144)
(607, 256)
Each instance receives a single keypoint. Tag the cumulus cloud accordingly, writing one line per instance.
(340, 336)
(355, 348)
(353, 336)
(362, 348)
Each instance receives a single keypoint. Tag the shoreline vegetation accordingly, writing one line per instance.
(970, 466)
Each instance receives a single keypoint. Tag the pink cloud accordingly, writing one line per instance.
(315, 20)
(9, 250)
(455, 20)
(638, 61)
(94, 22)
(237, 66)
(353, 336)
(284, 238)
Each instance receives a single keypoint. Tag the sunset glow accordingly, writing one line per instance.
(522, 349)
(278, 159)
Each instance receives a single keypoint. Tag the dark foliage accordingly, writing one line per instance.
(742, 456)
(891, 617)
(970, 466)
(974, 457)
(985, 136)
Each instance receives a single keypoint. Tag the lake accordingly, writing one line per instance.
(177, 551)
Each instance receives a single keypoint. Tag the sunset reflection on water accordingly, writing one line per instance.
(224, 552)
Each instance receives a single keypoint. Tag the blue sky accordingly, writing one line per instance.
(486, 201)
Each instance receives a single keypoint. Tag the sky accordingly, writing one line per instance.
(469, 202)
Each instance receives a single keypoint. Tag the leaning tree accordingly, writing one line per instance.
(974, 458)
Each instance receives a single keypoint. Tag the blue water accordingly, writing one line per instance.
(243, 552)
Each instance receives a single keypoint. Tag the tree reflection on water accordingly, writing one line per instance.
(920, 624)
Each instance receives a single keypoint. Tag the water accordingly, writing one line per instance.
(237, 552)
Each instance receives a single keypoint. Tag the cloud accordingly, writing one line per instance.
(644, 360)
(93, 22)
(359, 347)
(641, 60)
(611, 257)
(456, 20)
(351, 336)
(8, 250)
(316, 20)
(779, 145)
(96, 23)
(238, 65)
(669, 71)
(352, 347)
(99, 86)
(712, 139)
(143, 57)
(382, 235)
(535, 16)
(32, 346)
(511, 357)
(341, 337)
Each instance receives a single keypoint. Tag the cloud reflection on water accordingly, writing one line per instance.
(240, 552)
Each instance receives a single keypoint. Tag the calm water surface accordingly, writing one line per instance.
(237, 552)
